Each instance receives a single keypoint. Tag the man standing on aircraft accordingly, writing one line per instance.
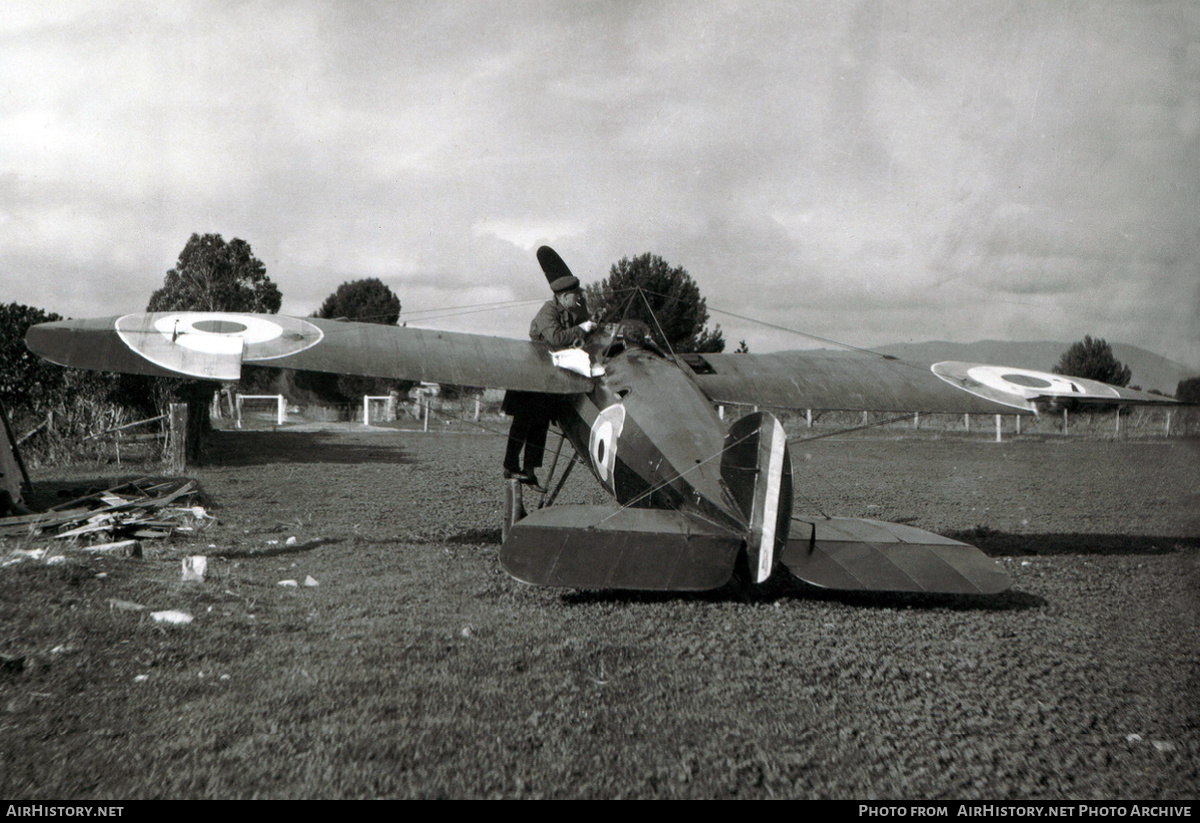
(561, 322)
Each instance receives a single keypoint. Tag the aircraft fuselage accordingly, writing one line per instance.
(652, 439)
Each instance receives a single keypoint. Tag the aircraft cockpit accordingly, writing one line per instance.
(611, 339)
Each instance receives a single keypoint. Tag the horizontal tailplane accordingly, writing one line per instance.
(871, 555)
(605, 547)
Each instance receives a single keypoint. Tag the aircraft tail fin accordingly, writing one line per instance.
(606, 547)
(871, 555)
(757, 470)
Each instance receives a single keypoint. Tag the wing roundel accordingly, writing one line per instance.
(202, 344)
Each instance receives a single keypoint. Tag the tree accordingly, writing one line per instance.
(212, 275)
(25, 378)
(647, 288)
(1188, 391)
(368, 300)
(1092, 359)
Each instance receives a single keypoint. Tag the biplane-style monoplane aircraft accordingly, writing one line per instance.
(696, 501)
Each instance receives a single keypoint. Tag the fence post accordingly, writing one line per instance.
(1168, 432)
(967, 422)
(177, 438)
(1064, 422)
(998, 440)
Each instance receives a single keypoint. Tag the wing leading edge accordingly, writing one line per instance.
(215, 345)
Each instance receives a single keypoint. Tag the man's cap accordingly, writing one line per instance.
(563, 284)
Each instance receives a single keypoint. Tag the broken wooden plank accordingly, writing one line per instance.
(126, 548)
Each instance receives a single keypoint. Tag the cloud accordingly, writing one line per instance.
(868, 172)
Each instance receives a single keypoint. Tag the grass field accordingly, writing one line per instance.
(417, 668)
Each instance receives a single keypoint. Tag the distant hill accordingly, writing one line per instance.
(1150, 371)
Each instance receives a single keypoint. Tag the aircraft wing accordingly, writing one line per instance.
(215, 345)
(833, 380)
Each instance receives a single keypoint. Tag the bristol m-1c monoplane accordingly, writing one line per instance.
(696, 501)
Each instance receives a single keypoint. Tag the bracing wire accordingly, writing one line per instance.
(725, 448)
(641, 292)
(848, 346)
(677, 476)
(808, 335)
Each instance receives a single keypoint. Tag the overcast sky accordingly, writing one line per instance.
(870, 172)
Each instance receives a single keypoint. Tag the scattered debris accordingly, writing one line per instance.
(117, 519)
(310, 581)
(288, 583)
(194, 568)
(171, 616)
(18, 555)
(125, 605)
(142, 508)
